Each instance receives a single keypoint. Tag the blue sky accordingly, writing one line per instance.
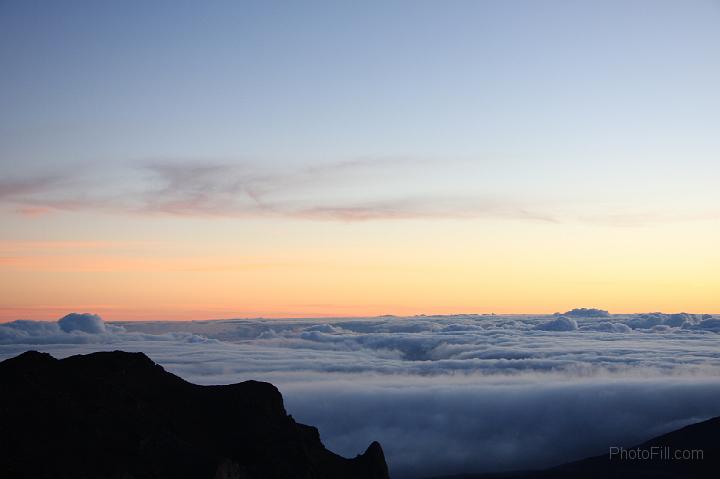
(553, 82)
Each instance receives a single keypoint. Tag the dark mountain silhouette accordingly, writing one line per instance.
(119, 415)
(703, 436)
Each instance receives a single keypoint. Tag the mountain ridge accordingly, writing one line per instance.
(120, 415)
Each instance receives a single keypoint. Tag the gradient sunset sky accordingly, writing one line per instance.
(194, 160)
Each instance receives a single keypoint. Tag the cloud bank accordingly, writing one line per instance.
(80, 328)
(443, 394)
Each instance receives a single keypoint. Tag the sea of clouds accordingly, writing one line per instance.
(443, 394)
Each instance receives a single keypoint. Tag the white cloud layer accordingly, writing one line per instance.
(80, 328)
(443, 394)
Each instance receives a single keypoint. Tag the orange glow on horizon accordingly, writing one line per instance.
(280, 270)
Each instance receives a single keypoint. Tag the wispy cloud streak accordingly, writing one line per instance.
(344, 191)
(319, 192)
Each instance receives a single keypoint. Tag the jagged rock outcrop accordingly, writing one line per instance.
(119, 415)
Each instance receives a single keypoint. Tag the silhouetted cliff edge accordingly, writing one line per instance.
(120, 415)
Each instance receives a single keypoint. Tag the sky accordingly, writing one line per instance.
(187, 160)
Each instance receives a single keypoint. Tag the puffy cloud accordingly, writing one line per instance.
(709, 324)
(676, 320)
(587, 313)
(560, 324)
(85, 322)
(608, 326)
